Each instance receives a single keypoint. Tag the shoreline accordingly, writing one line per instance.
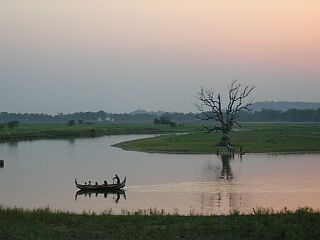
(264, 139)
(17, 223)
(211, 153)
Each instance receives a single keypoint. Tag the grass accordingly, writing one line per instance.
(61, 130)
(255, 138)
(262, 224)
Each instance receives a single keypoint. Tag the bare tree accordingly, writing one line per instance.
(211, 107)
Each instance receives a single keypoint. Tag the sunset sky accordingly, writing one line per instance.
(117, 56)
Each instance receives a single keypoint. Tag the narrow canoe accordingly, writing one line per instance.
(102, 187)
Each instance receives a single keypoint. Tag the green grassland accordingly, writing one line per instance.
(255, 138)
(61, 130)
(45, 224)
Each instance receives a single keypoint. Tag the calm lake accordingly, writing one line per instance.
(41, 173)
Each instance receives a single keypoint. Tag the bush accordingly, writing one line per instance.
(164, 120)
(71, 123)
(12, 124)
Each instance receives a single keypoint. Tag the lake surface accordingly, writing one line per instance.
(41, 173)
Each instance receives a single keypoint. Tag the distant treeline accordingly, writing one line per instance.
(292, 115)
(92, 117)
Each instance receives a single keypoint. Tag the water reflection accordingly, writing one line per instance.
(205, 183)
(226, 172)
(71, 141)
(221, 173)
(13, 144)
(116, 194)
(214, 171)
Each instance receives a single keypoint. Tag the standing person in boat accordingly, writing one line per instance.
(117, 179)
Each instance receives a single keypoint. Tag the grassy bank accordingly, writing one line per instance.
(61, 130)
(44, 224)
(255, 138)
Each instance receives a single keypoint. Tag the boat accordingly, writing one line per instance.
(101, 187)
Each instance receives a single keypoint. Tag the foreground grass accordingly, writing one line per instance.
(44, 224)
(61, 130)
(255, 138)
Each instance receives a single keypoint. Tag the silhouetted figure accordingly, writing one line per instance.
(105, 182)
(96, 183)
(89, 183)
(117, 179)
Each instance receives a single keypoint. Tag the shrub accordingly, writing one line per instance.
(12, 124)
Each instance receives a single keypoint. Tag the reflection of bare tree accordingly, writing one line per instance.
(220, 201)
(222, 173)
(214, 171)
(226, 172)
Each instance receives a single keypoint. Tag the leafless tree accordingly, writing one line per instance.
(211, 107)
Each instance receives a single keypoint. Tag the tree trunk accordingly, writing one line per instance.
(225, 138)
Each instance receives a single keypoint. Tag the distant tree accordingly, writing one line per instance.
(12, 124)
(165, 120)
(211, 107)
(71, 123)
(172, 124)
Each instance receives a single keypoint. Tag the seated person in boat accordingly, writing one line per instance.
(105, 182)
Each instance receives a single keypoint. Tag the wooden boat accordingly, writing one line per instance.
(101, 187)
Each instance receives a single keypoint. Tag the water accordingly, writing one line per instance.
(41, 173)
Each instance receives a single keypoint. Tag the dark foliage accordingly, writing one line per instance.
(164, 120)
(12, 124)
(265, 115)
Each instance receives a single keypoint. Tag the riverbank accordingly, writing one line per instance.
(153, 224)
(254, 138)
(61, 130)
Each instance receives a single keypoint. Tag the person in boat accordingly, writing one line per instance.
(89, 183)
(105, 182)
(96, 183)
(117, 179)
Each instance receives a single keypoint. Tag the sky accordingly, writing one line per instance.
(117, 56)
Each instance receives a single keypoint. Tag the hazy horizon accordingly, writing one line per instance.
(118, 56)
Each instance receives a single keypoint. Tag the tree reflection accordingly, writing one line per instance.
(221, 195)
(226, 172)
(214, 171)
